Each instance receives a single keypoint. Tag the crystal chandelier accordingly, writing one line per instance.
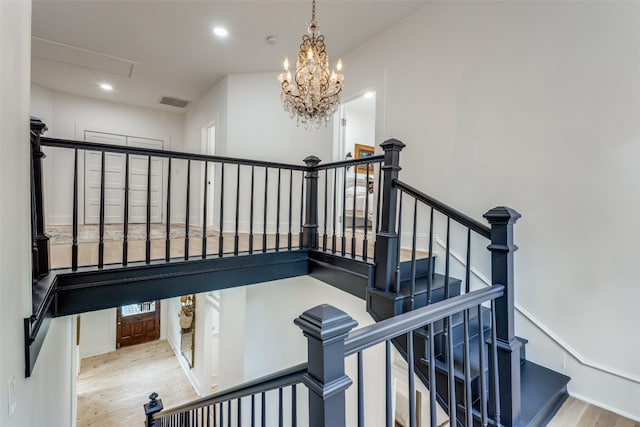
(318, 87)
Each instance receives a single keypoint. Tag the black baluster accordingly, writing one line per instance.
(221, 235)
(264, 213)
(101, 241)
(324, 219)
(251, 212)
(253, 407)
(494, 360)
(412, 386)
(186, 219)
(239, 400)
(280, 409)
(167, 244)
(278, 213)
(344, 210)
(360, 392)
(290, 236)
(413, 254)
(378, 199)
(430, 264)
(215, 415)
(264, 410)
(228, 413)
(221, 414)
(335, 190)
(353, 213)
(294, 406)
(451, 376)
(468, 267)
(399, 247)
(205, 185)
(147, 256)
(236, 237)
(301, 209)
(74, 231)
(468, 402)
(447, 290)
(432, 378)
(365, 243)
(483, 368)
(208, 415)
(387, 374)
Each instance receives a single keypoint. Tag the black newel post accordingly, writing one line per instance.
(152, 407)
(310, 227)
(326, 328)
(386, 248)
(40, 242)
(502, 249)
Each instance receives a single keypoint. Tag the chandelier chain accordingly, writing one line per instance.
(313, 10)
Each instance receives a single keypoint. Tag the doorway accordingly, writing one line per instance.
(114, 180)
(137, 323)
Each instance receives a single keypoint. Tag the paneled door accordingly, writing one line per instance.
(137, 323)
(115, 167)
(113, 180)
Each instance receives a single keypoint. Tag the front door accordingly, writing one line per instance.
(138, 323)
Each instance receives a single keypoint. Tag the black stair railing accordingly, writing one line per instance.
(249, 216)
(345, 198)
(265, 401)
(331, 341)
(411, 223)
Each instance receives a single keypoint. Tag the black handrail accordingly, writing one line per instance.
(447, 210)
(393, 327)
(280, 379)
(354, 162)
(91, 146)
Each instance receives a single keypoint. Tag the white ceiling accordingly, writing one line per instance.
(153, 48)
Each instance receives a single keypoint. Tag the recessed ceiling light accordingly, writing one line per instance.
(369, 95)
(220, 32)
(106, 86)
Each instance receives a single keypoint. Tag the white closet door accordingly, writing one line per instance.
(114, 180)
(138, 166)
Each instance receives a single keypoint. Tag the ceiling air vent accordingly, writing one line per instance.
(174, 102)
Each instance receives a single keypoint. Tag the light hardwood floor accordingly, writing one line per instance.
(576, 413)
(112, 387)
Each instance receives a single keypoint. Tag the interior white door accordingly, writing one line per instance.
(138, 167)
(114, 180)
(115, 167)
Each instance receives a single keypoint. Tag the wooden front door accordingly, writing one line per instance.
(138, 323)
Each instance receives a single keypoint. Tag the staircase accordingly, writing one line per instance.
(542, 390)
(457, 335)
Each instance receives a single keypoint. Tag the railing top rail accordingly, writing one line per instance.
(82, 145)
(452, 213)
(284, 378)
(382, 331)
(354, 162)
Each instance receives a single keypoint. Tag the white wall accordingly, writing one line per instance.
(250, 124)
(68, 116)
(257, 323)
(45, 397)
(533, 105)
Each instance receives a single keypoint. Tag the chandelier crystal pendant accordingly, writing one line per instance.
(318, 87)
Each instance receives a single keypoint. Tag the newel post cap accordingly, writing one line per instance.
(312, 161)
(502, 215)
(392, 144)
(325, 322)
(37, 126)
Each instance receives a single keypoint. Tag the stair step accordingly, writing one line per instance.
(422, 267)
(457, 328)
(437, 284)
(543, 392)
